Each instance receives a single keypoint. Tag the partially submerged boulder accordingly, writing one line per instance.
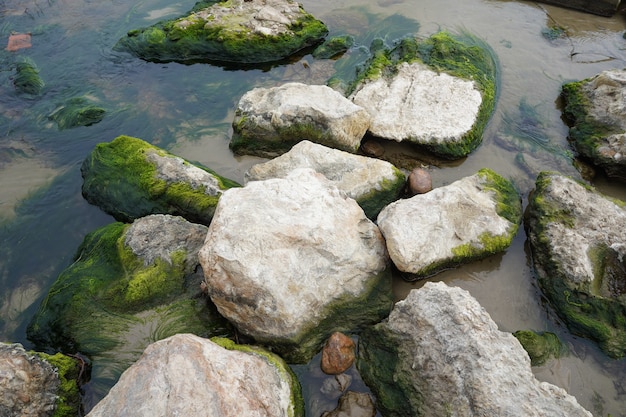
(439, 353)
(371, 182)
(291, 260)
(596, 108)
(129, 178)
(239, 31)
(35, 384)
(470, 219)
(129, 285)
(600, 7)
(27, 79)
(269, 121)
(185, 375)
(437, 93)
(578, 241)
(76, 112)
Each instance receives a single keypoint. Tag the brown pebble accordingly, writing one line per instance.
(338, 354)
(419, 181)
(372, 148)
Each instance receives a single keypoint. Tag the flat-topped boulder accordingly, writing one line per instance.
(440, 354)
(128, 286)
(129, 178)
(291, 260)
(472, 218)
(437, 93)
(230, 31)
(596, 108)
(578, 241)
(373, 183)
(269, 121)
(186, 375)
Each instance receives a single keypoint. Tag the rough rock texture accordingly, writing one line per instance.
(471, 218)
(186, 375)
(599, 7)
(29, 385)
(242, 31)
(129, 178)
(269, 121)
(596, 108)
(371, 182)
(578, 241)
(129, 285)
(338, 354)
(440, 354)
(353, 404)
(291, 260)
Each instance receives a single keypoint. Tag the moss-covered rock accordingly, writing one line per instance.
(540, 346)
(129, 178)
(241, 31)
(333, 47)
(27, 79)
(75, 112)
(578, 244)
(69, 372)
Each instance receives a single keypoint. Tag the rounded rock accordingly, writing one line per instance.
(338, 354)
(419, 181)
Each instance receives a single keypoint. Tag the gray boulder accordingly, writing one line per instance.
(291, 260)
(578, 241)
(269, 121)
(186, 375)
(440, 354)
(371, 182)
(469, 219)
(596, 108)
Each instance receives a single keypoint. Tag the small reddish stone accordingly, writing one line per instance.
(420, 181)
(19, 41)
(338, 354)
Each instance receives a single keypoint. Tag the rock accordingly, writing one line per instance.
(353, 404)
(419, 181)
(334, 47)
(338, 354)
(76, 112)
(469, 219)
(540, 346)
(438, 94)
(129, 178)
(371, 182)
(596, 109)
(185, 375)
(19, 41)
(439, 353)
(36, 384)
(291, 260)
(129, 285)
(269, 121)
(600, 7)
(27, 79)
(372, 148)
(578, 242)
(233, 31)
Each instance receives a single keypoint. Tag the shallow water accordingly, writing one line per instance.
(188, 109)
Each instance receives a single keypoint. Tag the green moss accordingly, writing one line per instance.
(68, 369)
(120, 179)
(540, 346)
(388, 191)
(279, 364)
(75, 112)
(27, 79)
(508, 202)
(333, 47)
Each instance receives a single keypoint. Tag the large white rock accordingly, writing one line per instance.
(186, 375)
(449, 225)
(290, 260)
(371, 182)
(420, 105)
(444, 356)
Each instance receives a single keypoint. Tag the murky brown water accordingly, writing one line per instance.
(188, 110)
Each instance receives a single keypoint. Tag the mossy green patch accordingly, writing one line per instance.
(387, 192)
(194, 38)
(333, 47)
(540, 346)
(27, 79)
(122, 181)
(68, 370)
(75, 112)
(279, 364)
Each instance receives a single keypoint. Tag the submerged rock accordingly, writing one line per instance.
(185, 375)
(269, 121)
(241, 31)
(600, 7)
(540, 346)
(75, 112)
(578, 241)
(596, 107)
(291, 260)
(27, 79)
(440, 353)
(371, 182)
(129, 178)
(353, 404)
(469, 219)
(129, 285)
(438, 93)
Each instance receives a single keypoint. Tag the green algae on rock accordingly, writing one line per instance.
(540, 346)
(129, 178)
(75, 112)
(27, 79)
(69, 371)
(230, 31)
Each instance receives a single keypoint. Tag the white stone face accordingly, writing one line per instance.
(172, 169)
(420, 105)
